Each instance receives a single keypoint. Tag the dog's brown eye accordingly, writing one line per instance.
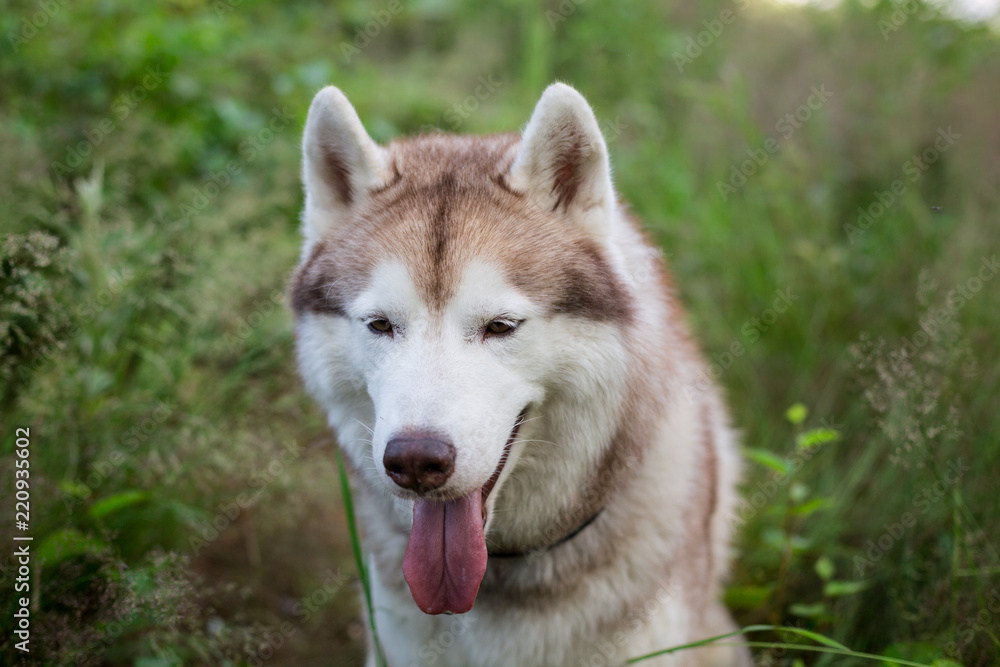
(380, 326)
(498, 328)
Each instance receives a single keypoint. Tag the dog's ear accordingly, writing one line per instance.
(563, 160)
(340, 162)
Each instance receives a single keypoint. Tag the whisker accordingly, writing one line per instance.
(329, 288)
(526, 420)
(544, 442)
(371, 431)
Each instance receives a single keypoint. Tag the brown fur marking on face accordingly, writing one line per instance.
(592, 289)
(313, 287)
(438, 238)
(451, 205)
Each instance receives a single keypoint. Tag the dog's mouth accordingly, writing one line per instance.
(446, 556)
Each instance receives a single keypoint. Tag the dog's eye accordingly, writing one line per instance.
(380, 326)
(498, 328)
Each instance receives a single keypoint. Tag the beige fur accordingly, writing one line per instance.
(438, 234)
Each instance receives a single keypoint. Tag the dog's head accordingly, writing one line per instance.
(442, 281)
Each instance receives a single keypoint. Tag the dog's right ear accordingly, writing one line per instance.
(340, 162)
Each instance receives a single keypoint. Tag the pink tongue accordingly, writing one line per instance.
(446, 557)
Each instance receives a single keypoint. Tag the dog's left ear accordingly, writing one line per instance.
(563, 161)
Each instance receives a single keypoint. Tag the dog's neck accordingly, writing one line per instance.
(571, 460)
(527, 554)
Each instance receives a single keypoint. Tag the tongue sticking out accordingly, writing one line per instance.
(446, 557)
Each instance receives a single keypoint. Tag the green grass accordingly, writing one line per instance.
(829, 647)
(185, 491)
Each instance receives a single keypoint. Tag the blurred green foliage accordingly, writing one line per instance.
(184, 493)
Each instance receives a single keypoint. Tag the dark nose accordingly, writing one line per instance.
(420, 462)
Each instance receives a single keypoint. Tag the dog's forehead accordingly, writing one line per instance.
(424, 159)
(483, 291)
(447, 209)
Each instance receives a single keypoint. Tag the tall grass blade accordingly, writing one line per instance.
(359, 557)
(829, 645)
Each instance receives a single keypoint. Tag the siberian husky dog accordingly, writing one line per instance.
(542, 474)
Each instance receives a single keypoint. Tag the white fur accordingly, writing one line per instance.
(437, 372)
